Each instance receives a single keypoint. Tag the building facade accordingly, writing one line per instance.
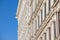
(38, 19)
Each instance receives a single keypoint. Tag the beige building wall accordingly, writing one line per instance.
(38, 19)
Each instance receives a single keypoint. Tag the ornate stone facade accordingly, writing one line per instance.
(38, 19)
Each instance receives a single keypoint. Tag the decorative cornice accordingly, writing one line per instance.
(18, 8)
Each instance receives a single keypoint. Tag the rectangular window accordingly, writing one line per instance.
(49, 33)
(41, 38)
(55, 1)
(45, 36)
(52, 2)
(38, 21)
(54, 29)
(59, 26)
(35, 24)
(41, 16)
(45, 9)
(49, 5)
(36, 2)
(59, 20)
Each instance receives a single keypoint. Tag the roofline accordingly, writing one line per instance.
(18, 8)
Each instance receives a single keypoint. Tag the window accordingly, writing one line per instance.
(36, 2)
(59, 20)
(41, 16)
(54, 29)
(45, 9)
(59, 26)
(49, 5)
(35, 24)
(38, 21)
(34, 5)
(31, 9)
(41, 38)
(45, 36)
(54, 1)
(49, 33)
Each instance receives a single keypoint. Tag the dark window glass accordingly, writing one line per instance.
(41, 16)
(49, 5)
(38, 21)
(35, 24)
(59, 20)
(41, 38)
(54, 30)
(59, 26)
(45, 35)
(45, 9)
(54, 1)
(49, 33)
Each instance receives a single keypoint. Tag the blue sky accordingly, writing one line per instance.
(8, 22)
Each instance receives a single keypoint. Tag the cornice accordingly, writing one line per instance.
(18, 8)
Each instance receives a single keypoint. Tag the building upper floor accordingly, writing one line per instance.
(29, 8)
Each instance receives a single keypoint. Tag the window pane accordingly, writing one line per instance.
(59, 20)
(45, 9)
(49, 33)
(45, 36)
(54, 29)
(49, 5)
(35, 24)
(41, 16)
(59, 26)
(41, 38)
(38, 21)
(54, 1)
